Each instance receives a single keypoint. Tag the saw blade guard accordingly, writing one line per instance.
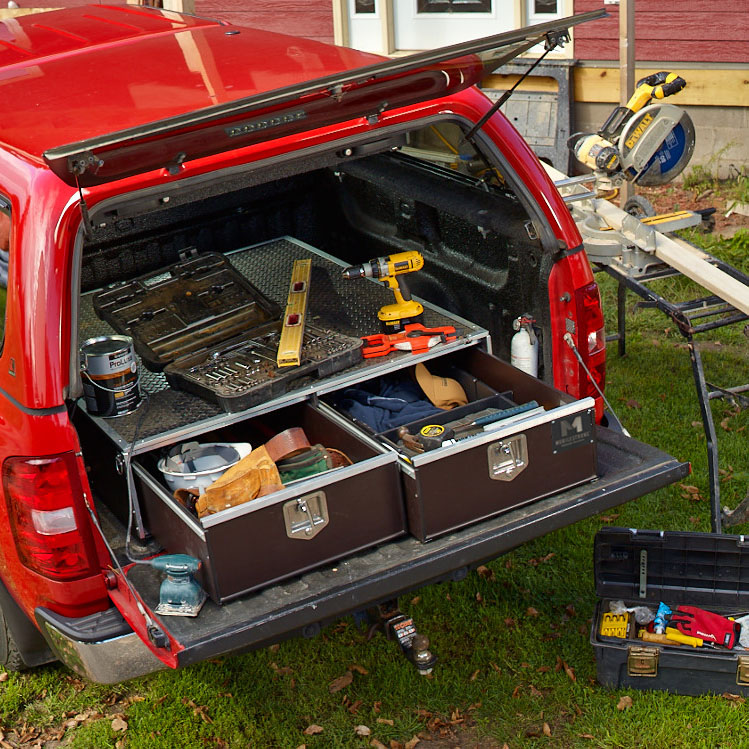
(656, 144)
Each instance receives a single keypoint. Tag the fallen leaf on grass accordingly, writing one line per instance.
(386, 721)
(362, 730)
(341, 682)
(377, 744)
(697, 424)
(475, 674)
(416, 600)
(4, 676)
(540, 560)
(377, 707)
(535, 692)
(516, 691)
(119, 725)
(624, 703)
(495, 667)
(353, 708)
(570, 610)
(530, 611)
(412, 742)
(359, 669)
(486, 573)
(609, 518)
(632, 403)
(274, 648)
(569, 671)
(547, 730)
(543, 669)
(586, 736)
(510, 623)
(736, 698)
(479, 598)
(694, 521)
(313, 730)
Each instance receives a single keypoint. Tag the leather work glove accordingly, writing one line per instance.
(690, 620)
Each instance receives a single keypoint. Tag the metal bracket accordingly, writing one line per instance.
(304, 517)
(642, 661)
(84, 162)
(742, 671)
(508, 457)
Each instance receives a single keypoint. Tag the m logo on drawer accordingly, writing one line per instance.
(571, 432)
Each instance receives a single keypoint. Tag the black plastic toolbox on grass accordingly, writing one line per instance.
(643, 568)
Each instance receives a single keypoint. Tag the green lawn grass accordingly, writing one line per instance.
(516, 665)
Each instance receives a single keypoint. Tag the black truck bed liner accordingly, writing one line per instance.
(627, 470)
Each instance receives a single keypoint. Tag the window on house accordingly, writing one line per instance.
(364, 6)
(454, 6)
(4, 260)
(545, 6)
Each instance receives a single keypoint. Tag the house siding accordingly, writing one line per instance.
(312, 19)
(670, 30)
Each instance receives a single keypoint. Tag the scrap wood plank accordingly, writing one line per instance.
(688, 260)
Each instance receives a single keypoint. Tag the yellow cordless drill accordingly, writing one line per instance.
(393, 317)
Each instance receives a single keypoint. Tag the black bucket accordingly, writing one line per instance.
(110, 375)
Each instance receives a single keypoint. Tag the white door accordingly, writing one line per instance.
(426, 24)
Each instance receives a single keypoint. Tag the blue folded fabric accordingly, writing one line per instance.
(389, 404)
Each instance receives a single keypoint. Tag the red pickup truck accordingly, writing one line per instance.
(136, 139)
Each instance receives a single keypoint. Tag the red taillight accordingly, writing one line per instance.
(42, 494)
(591, 342)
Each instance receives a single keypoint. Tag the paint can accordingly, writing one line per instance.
(109, 372)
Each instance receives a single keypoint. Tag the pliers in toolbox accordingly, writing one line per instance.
(414, 338)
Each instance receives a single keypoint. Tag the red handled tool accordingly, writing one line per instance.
(414, 338)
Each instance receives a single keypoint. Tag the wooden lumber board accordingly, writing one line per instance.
(718, 87)
(688, 260)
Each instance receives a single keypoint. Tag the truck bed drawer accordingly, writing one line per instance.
(310, 522)
(512, 463)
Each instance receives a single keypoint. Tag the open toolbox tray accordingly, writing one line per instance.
(485, 474)
(308, 523)
(214, 334)
(645, 567)
(349, 308)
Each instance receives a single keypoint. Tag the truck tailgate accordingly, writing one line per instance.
(627, 469)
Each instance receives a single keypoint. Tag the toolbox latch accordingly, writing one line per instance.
(642, 661)
(742, 671)
(508, 457)
(305, 516)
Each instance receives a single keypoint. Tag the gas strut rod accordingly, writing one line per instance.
(553, 40)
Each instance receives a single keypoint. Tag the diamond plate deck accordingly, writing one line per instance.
(350, 307)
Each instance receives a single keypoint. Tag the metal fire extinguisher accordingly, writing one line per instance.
(524, 346)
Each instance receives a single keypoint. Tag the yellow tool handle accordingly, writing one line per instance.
(653, 637)
(674, 634)
(655, 86)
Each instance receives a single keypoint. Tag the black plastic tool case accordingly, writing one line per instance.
(214, 334)
(644, 567)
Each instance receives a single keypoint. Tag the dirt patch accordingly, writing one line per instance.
(674, 197)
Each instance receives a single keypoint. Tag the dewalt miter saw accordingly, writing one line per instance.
(647, 145)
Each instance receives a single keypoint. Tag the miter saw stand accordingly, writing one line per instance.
(636, 252)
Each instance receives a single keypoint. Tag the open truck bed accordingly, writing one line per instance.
(626, 470)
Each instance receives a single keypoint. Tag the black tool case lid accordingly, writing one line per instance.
(710, 570)
(192, 305)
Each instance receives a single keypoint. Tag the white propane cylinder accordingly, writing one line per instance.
(524, 349)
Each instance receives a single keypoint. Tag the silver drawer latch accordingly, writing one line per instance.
(304, 517)
(508, 457)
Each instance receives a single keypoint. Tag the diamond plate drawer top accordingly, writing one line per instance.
(309, 522)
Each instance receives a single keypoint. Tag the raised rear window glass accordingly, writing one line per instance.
(4, 260)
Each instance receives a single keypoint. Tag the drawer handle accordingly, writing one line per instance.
(304, 517)
(508, 457)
